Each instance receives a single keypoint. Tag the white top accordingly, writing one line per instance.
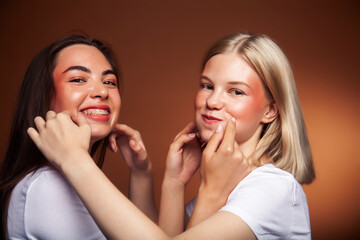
(271, 202)
(43, 205)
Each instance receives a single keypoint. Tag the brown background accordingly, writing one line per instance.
(160, 45)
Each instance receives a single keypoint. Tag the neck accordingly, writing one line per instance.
(248, 147)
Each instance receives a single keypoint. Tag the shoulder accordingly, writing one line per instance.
(48, 183)
(269, 181)
(51, 208)
(269, 197)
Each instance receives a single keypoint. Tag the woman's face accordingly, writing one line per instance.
(229, 87)
(85, 84)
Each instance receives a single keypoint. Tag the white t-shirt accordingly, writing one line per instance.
(271, 202)
(43, 205)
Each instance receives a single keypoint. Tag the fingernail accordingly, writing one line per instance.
(197, 134)
(218, 128)
(132, 143)
(233, 119)
(192, 135)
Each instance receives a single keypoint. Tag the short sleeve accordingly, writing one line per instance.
(190, 206)
(267, 201)
(53, 210)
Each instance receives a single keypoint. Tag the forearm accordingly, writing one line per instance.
(171, 217)
(114, 213)
(141, 193)
(207, 204)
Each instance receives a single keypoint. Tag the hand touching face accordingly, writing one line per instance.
(229, 87)
(86, 84)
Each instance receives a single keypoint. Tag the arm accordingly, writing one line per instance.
(182, 161)
(141, 190)
(66, 144)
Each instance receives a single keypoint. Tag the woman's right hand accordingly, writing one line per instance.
(184, 156)
(61, 138)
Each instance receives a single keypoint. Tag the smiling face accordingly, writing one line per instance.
(229, 87)
(85, 84)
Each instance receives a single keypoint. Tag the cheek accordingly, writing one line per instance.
(66, 100)
(116, 100)
(200, 100)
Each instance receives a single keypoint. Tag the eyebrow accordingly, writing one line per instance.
(206, 78)
(230, 83)
(86, 70)
(81, 68)
(239, 83)
(107, 72)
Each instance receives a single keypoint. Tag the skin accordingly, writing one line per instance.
(84, 82)
(229, 87)
(223, 161)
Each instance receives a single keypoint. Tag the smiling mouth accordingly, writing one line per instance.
(211, 118)
(96, 112)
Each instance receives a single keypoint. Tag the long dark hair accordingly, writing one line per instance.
(22, 156)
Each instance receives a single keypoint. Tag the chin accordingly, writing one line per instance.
(205, 135)
(99, 134)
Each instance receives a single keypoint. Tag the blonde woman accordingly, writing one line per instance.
(257, 155)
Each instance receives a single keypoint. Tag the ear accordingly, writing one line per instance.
(271, 113)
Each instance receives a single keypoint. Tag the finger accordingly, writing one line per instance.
(39, 123)
(81, 121)
(34, 135)
(214, 141)
(130, 132)
(138, 149)
(112, 142)
(50, 115)
(178, 144)
(227, 143)
(125, 129)
(190, 127)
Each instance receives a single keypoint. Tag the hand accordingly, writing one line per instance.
(131, 147)
(184, 155)
(61, 137)
(223, 165)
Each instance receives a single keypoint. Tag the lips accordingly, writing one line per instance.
(210, 119)
(98, 113)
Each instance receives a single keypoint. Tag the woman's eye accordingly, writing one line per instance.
(236, 92)
(77, 80)
(206, 86)
(110, 83)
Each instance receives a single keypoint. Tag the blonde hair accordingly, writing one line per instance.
(284, 140)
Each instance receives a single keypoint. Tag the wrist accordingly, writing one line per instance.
(172, 184)
(142, 173)
(75, 163)
(208, 195)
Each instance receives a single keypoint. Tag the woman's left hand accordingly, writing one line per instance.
(132, 148)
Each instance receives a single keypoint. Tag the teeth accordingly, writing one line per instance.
(96, 112)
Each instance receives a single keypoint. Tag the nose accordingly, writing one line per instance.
(215, 101)
(99, 90)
